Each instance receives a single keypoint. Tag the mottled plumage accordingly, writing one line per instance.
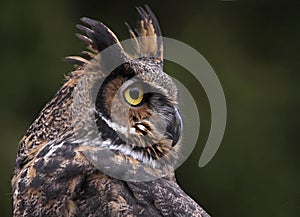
(54, 174)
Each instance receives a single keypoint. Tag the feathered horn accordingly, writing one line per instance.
(97, 37)
(147, 36)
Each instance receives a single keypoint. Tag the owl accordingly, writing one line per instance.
(106, 144)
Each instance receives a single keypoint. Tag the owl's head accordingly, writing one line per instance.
(130, 105)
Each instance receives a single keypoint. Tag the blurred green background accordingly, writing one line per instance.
(253, 47)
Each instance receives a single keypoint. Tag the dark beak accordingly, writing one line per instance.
(175, 127)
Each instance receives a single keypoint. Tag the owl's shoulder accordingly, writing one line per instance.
(60, 181)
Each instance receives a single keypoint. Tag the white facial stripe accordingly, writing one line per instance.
(141, 127)
(127, 150)
(124, 148)
(119, 128)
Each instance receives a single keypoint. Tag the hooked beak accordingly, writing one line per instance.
(174, 128)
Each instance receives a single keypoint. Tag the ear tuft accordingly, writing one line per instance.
(147, 35)
(97, 37)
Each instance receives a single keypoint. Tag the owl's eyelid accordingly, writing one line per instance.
(126, 85)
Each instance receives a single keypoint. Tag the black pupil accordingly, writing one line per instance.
(134, 93)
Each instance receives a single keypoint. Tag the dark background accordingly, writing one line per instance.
(253, 47)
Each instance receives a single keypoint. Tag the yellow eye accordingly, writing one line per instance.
(134, 95)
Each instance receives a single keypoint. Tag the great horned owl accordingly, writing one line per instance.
(127, 125)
